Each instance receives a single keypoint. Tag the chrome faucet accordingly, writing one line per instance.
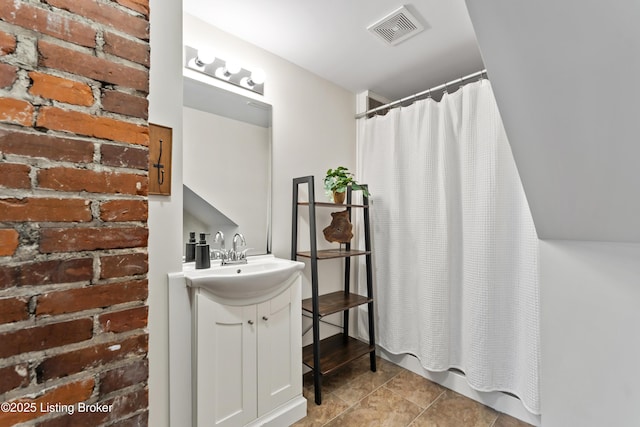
(219, 253)
(236, 257)
(232, 256)
(235, 241)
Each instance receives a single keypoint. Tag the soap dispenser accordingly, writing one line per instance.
(190, 251)
(203, 257)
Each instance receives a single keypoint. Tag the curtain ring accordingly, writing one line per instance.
(429, 94)
(446, 88)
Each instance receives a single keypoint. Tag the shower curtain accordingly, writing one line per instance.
(455, 249)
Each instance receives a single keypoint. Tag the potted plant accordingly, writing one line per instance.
(336, 182)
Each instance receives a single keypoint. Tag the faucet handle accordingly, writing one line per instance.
(217, 254)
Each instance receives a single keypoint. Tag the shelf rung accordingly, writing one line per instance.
(336, 351)
(333, 205)
(334, 253)
(335, 302)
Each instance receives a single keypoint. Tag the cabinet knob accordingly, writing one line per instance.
(265, 318)
(250, 322)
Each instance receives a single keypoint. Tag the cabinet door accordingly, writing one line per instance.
(225, 363)
(279, 349)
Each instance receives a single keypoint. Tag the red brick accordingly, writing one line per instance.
(87, 65)
(8, 75)
(124, 376)
(122, 406)
(8, 243)
(89, 297)
(91, 239)
(123, 103)
(85, 358)
(123, 47)
(60, 89)
(124, 156)
(14, 175)
(47, 22)
(8, 276)
(106, 14)
(141, 6)
(44, 337)
(126, 320)
(66, 394)
(7, 43)
(86, 124)
(68, 179)
(45, 209)
(16, 111)
(13, 310)
(13, 377)
(124, 210)
(123, 265)
(46, 146)
(46, 272)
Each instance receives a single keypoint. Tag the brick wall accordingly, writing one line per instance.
(74, 77)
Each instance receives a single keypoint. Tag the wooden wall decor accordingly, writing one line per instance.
(160, 142)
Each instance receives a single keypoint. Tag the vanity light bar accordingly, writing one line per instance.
(226, 71)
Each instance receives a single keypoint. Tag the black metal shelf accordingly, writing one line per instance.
(325, 356)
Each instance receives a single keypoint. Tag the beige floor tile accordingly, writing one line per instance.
(392, 396)
(454, 410)
(341, 376)
(505, 420)
(362, 385)
(382, 408)
(319, 415)
(415, 388)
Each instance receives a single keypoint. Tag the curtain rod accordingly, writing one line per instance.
(424, 92)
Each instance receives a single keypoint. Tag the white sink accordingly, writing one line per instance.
(260, 279)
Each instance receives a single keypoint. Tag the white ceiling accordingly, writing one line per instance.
(330, 39)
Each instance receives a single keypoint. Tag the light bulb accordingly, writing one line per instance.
(205, 56)
(232, 67)
(258, 76)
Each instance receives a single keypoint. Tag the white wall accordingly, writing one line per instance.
(565, 79)
(564, 75)
(590, 303)
(165, 213)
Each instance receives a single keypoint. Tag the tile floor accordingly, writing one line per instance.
(393, 397)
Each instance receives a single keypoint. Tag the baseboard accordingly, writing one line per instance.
(284, 415)
(455, 381)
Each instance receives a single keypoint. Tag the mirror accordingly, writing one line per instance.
(226, 166)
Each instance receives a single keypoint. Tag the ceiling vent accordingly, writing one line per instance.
(396, 27)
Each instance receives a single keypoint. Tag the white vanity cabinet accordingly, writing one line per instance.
(248, 360)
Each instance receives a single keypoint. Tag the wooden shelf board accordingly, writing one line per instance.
(335, 352)
(333, 205)
(335, 302)
(334, 253)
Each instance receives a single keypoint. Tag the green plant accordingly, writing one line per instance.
(338, 179)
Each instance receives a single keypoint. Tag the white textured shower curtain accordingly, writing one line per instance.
(455, 248)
